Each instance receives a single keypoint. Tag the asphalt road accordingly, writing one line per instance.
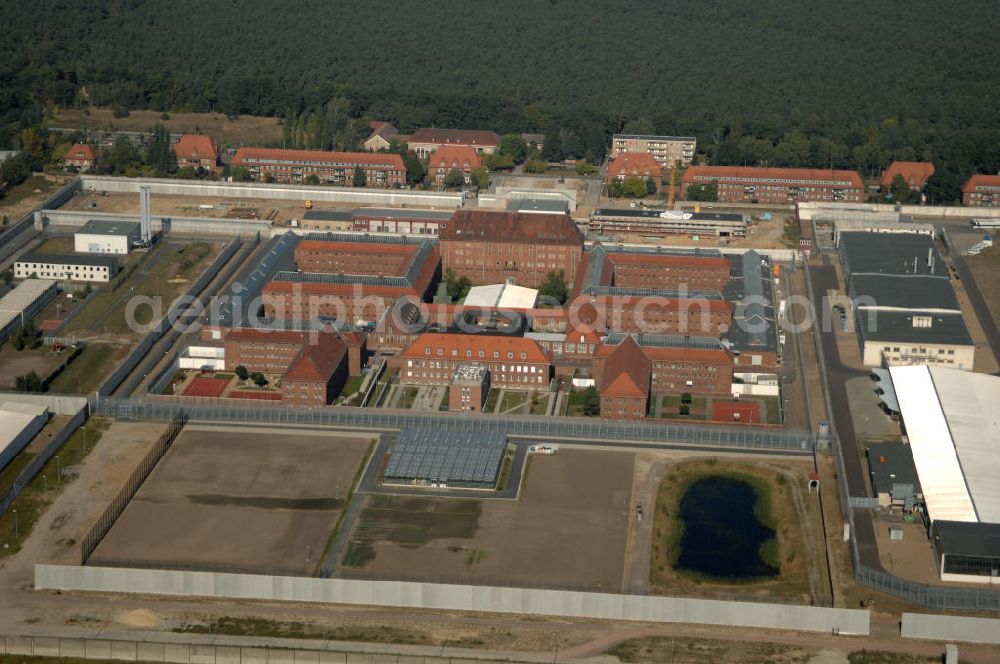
(823, 279)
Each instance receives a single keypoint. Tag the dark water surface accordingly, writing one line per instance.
(722, 536)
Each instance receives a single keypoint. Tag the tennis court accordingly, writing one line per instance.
(206, 387)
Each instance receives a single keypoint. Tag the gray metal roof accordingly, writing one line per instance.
(905, 291)
(596, 259)
(106, 227)
(652, 213)
(329, 215)
(666, 341)
(452, 456)
(98, 260)
(751, 290)
(962, 538)
(890, 253)
(404, 213)
(887, 326)
(892, 463)
(546, 205)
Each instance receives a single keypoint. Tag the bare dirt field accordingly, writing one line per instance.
(568, 530)
(21, 199)
(14, 363)
(280, 212)
(244, 129)
(237, 499)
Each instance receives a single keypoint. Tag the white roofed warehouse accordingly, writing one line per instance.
(952, 421)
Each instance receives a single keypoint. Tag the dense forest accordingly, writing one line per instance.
(776, 82)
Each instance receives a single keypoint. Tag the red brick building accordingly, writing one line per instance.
(313, 365)
(709, 272)
(196, 151)
(351, 281)
(490, 247)
(446, 158)
(654, 314)
(635, 165)
(695, 370)
(981, 191)
(469, 388)
(916, 174)
(81, 156)
(513, 362)
(622, 375)
(426, 141)
(382, 170)
(776, 185)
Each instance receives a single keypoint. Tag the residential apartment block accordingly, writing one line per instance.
(382, 170)
(981, 191)
(776, 185)
(667, 150)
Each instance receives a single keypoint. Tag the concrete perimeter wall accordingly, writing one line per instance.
(950, 628)
(807, 210)
(180, 225)
(452, 598)
(61, 404)
(282, 192)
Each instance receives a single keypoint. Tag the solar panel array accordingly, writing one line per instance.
(457, 457)
(349, 279)
(667, 341)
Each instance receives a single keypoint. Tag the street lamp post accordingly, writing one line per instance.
(16, 525)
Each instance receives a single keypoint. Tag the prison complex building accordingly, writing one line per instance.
(634, 224)
(667, 150)
(914, 173)
(313, 365)
(406, 221)
(628, 368)
(513, 362)
(346, 279)
(981, 191)
(776, 185)
(196, 151)
(492, 247)
(382, 170)
(425, 142)
(71, 267)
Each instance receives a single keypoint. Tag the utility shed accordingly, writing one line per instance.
(99, 236)
(449, 458)
(19, 423)
(967, 550)
(894, 477)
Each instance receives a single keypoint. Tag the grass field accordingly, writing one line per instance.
(244, 129)
(42, 490)
(776, 509)
(88, 370)
(262, 627)
(15, 203)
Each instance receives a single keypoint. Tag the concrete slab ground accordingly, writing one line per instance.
(870, 423)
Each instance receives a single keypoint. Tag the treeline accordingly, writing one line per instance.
(788, 82)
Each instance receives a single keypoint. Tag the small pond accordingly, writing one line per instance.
(722, 536)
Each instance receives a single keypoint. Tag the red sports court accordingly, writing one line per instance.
(744, 412)
(206, 387)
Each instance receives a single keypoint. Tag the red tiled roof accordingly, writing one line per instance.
(460, 343)
(318, 361)
(310, 288)
(694, 306)
(693, 355)
(454, 156)
(254, 334)
(980, 181)
(583, 333)
(705, 173)
(504, 227)
(195, 146)
(640, 164)
(251, 156)
(382, 128)
(81, 151)
(626, 371)
(914, 172)
(456, 137)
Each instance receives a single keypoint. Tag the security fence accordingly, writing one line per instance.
(223, 410)
(114, 381)
(80, 306)
(39, 460)
(139, 475)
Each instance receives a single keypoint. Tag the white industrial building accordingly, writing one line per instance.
(22, 303)
(107, 237)
(71, 267)
(19, 423)
(503, 296)
(203, 358)
(952, 421)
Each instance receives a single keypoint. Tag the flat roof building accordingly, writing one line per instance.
(638, 223)
(894, 476)
(71, 267)
(449, 458)
(21, 304)
(407, 221)
(100, 236)
(19, 423)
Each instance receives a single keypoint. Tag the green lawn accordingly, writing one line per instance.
(697, 405)
(85, 373)
(352, 385)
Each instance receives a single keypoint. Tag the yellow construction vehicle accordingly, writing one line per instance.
(308, 205)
